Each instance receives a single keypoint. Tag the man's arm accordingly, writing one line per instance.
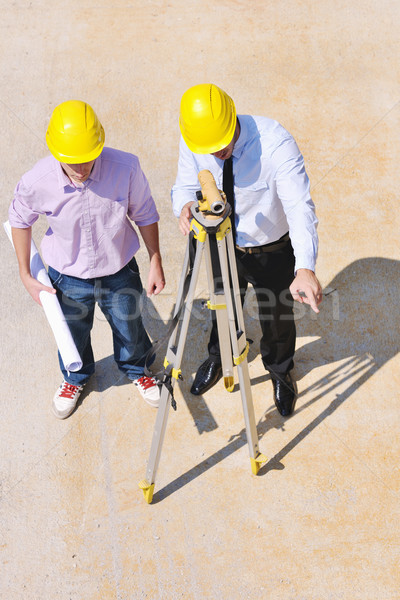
(294, 192)
(155, 280)
(22, 244)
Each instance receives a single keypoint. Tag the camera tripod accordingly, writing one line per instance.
(211, 227)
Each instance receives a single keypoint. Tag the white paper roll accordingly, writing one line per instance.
(51, 306)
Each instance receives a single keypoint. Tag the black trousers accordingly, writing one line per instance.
(270, 274)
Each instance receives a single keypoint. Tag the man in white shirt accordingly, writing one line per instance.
(274, 223)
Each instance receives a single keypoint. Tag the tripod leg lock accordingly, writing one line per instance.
(215, 306)
(238, 359)
(175, 373)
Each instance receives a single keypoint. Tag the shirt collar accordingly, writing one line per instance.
(96, 171)
(64, 181)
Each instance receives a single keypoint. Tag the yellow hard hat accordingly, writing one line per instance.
(75, 134)
(207, 118)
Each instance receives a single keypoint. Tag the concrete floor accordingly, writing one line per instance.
(321, 520)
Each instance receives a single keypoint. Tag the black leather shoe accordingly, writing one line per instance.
(207, 376)
(285, 394)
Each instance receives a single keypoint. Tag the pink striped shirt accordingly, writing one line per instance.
(89, 234)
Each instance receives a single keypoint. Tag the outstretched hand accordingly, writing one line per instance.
(306, 289)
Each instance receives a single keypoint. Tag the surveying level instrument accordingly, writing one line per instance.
(211, 227)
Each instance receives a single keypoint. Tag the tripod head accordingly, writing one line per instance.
(212, 201)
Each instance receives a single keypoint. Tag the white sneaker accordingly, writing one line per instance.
(149, 389)
(65, 399)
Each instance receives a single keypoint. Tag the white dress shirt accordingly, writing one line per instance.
(272, 189)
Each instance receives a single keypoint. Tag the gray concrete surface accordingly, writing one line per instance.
(321, 520)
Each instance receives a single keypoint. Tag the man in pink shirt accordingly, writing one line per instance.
(89, 195)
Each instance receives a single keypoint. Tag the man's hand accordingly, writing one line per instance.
(185, 217)
(306, 289)
(22, 244)
(155, 280)
(34, 287)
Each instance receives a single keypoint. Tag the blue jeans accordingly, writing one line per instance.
(119, 296)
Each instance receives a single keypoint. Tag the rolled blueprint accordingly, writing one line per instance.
(51, 306)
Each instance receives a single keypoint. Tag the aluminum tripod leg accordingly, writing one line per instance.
(239, 343)
(232, 339)
(172, 362)
(231, 335)
(217, 303)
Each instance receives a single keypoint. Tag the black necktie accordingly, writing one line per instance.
(227, 186)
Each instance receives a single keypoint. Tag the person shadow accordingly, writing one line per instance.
(353, 336)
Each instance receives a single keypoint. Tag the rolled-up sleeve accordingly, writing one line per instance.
(141, 208)
(21, 213)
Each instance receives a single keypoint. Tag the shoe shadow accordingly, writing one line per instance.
(355, 334)
(107, 376)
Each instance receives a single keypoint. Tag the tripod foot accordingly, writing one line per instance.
(256, 463)
(229, 383)
(147, 489)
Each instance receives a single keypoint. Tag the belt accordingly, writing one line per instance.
(272, 247)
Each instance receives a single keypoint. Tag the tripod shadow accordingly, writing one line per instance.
(355, 334)
(195, 346)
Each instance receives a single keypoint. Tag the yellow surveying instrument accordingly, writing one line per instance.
(211, 227)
